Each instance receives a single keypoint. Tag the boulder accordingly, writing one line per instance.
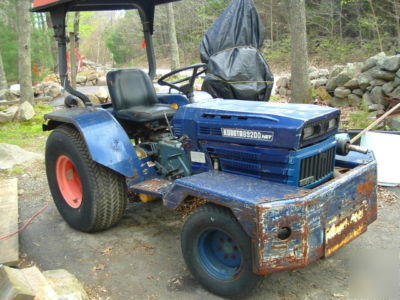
(394, 122)
(342, 92)
(8, 114)
(53, 90)
(318, 82)
(377, 95)
(366, 99)
(395, 92)
(350, 71)
(102, 81)
(384, 75)
(283, 82)
(314, 75)
(65, 285)
(11, 155)
(52, 78)
(80, 79)
(354, 100)
(376, 107)
(94, 99)
(15, 89)
(388, 87)
(323, 94)
(391, 64)
(336, 70)
(323, 72)
(373, 61)
(366, 77)
(25, 112)
(352, 84)
(338, 102)
(7, 95)
(283, 91)
(102, 94)
(358, 92)
(377, 82)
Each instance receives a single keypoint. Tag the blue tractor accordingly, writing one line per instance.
(280, 189)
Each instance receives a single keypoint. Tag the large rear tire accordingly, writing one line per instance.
(89, 197)
(218, 252)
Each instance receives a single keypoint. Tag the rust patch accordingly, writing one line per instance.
(366, 188)
(151, 186)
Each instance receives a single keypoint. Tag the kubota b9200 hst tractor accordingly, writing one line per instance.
(268, 172)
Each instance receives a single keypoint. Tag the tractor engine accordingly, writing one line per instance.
(287, 143)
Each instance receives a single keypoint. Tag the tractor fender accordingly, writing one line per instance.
(106, 140)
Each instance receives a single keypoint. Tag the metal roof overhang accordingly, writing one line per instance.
(95, 5)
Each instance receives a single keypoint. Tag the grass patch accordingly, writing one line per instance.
(25, 133)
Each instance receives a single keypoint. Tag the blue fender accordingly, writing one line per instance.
(106, 140)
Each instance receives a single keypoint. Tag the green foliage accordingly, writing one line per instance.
(25, 133)
(8, 50)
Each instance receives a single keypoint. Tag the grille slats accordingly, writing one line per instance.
(316, 167)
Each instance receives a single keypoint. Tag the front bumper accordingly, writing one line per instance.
(321, 222)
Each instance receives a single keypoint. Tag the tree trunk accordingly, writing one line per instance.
(301, 87)
(271, 8)
(376, 24)
(52, 43)
(74, 45)
(24, 49)
(396, 5)
(3, 79)
(173, 42)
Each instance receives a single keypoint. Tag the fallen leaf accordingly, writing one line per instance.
(107, 251)
(338, 295)
(99, 267)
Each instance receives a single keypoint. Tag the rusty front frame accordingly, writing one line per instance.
(320, 222)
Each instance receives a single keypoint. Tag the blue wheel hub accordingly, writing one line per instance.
(219, 254)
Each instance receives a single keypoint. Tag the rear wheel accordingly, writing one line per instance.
(218, 252)
(89, 197)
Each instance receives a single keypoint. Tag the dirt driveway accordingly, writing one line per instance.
(141, 257)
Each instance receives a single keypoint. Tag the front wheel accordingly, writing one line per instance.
(89, 196)
(218, 252)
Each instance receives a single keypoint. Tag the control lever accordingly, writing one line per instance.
(344, 146)
(357, 148)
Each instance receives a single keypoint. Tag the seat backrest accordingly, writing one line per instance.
(129, 88)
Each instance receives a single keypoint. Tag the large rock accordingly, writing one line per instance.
(316, 83)
(25, 112)
(388, 87)
(102, 81)
(395, 93)
(373, 61)
(102, 94)
(375, 107)
(342, 92)
(366, 99)
(53, 90)
(323, 94)
(8, 114)
(65, 285)
(377, 95)
(338, 102)
(94, 99)
(384, 75)
(394, 122)
(358, 92)
(349, 72)
(352, 84)
(11, 155)
(391, 64)
(377, 82)
(336, 70)
(366, 77)
(80, 79)
(7, 95)
(283, 82)
(354, 100)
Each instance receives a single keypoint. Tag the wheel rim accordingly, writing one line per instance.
(219, 254)
(69, 182)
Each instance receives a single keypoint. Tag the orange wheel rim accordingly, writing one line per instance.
(69, 182)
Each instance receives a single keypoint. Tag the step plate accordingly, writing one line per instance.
(156, 187)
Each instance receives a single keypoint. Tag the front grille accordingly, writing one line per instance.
(314, 168)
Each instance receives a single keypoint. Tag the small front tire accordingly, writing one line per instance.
(218, 252)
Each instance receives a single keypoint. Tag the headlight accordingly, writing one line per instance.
(308, 131)
(332, 124)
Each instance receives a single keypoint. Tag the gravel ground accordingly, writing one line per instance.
(141, 257)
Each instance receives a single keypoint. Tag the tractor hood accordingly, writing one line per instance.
(256, 123)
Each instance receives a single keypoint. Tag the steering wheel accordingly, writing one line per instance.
(188, 88)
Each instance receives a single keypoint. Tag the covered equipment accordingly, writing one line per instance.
(236, 67)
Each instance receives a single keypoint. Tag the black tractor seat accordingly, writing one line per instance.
(134, 97)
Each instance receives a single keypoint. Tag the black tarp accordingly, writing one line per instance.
(236, 67)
